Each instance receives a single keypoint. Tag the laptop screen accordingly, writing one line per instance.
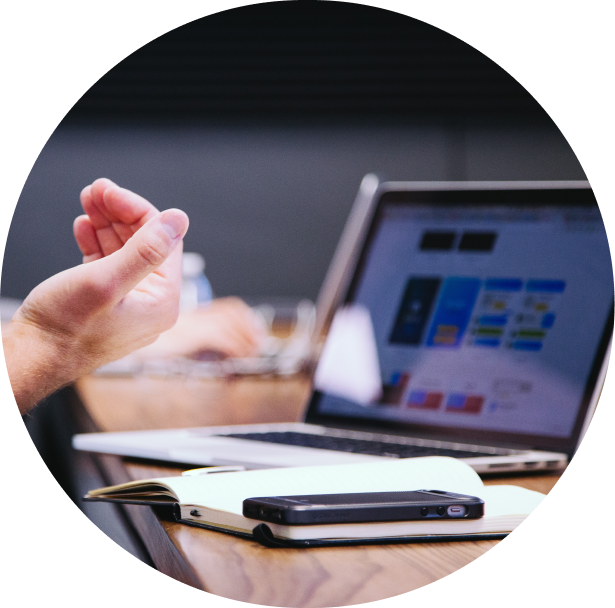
(487, 311)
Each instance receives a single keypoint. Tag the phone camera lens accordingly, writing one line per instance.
(441, 510)
(424, 511)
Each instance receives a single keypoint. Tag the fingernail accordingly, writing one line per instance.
(173, 224)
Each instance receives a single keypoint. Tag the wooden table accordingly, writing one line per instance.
(233, 567)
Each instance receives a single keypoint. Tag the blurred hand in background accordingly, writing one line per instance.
(227, 327)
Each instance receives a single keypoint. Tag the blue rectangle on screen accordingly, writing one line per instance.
(489, 342)
(395, 378)
(532, 345)
(503, 284)
(497, 320)
(547, 320)
(453, 312)
(456, 400)
(545, 286)
(417, 397)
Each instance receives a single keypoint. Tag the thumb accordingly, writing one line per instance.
(143, 253)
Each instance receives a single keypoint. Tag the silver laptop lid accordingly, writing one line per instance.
(491, 310)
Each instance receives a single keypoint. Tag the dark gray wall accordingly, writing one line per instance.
(284, 106)
(267, 204)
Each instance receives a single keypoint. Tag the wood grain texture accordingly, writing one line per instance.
(164, 552)
(336, 576)
(236, 568)
(146, 402)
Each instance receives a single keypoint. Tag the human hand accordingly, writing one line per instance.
(112, 216)
(227, 326)
(119, 301)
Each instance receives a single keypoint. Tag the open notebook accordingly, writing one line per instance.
(215, 501)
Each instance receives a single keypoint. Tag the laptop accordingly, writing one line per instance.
(476, 319)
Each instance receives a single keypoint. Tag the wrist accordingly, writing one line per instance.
(35, 361)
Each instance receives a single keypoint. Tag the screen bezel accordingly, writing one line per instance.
(576, 194)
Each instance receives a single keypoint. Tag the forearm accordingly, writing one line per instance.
(35, 362)
(89, 315)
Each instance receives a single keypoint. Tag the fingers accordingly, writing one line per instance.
(100, 217)
(235, 340)
(237, 331)
(85, 235)
(246, 324)
(115, 213)
(92, 202)
(143, 254)
(127, 208)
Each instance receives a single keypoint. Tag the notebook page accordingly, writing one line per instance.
(227, 491)
(508, 500)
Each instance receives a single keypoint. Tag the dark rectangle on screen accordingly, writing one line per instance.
(477, 241)
(414, 311)
(437, 241)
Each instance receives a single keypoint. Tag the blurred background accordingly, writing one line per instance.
(261, 121)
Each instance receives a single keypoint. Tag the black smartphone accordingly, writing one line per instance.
(363, 507)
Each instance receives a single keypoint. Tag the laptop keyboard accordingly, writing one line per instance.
(357, 446)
